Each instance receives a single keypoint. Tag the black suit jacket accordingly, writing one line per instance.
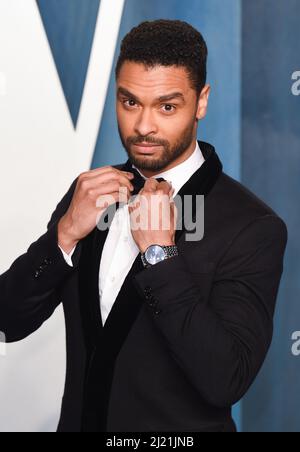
(184, 340)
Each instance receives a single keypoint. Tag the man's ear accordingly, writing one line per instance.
(203, 102)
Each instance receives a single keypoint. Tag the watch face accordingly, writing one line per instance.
(155, 254)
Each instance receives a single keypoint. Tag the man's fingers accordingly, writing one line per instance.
(171, 193)
(105, 170)
(165, 187)
(106, 180)
(112, 187)
(113, 177)
(155, 187)
(151, 185)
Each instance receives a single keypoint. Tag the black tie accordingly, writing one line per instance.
(139, 182)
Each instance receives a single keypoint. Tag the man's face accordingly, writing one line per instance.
(157, 107)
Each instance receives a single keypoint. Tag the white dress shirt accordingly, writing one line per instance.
(120, 250)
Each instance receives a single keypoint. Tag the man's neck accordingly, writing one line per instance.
(187, 154)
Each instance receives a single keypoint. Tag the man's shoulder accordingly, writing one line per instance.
(239, 206)
(238, 196)
(238, 211)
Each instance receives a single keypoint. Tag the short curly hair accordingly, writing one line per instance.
(167, 43)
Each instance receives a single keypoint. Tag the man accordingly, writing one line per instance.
(163, 333)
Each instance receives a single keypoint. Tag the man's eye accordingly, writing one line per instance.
(129, 103)
(169, 108)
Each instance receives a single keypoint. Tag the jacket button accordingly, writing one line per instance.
(153, 302)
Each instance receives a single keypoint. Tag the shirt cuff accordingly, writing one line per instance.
(68, 257)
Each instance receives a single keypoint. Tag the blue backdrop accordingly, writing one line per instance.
(253, 122)
(271, 168)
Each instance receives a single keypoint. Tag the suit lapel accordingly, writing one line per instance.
(200, 183)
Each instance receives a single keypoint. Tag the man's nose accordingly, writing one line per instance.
(145, 124)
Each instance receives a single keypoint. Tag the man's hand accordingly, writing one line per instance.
(153, 215)
(95, 191)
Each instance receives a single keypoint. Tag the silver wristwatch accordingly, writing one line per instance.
(157, 253)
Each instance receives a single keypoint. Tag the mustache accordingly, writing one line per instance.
(148, 140)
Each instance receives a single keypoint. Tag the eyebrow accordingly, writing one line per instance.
(164, 98)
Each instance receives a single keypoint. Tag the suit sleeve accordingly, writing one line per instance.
(30, 289)
(221, 343)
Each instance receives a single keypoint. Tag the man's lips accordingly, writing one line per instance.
(147, 148)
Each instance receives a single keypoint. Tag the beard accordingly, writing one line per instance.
(168, 155)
